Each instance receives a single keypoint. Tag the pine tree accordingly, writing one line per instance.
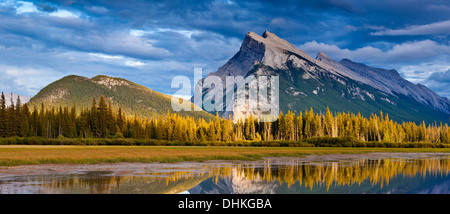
(329, 123)
(94, 119)
(24, 121)
(111, 120)
(103, 117)
(121, 120)
(13, 125)
(40, 123)
(3, 116)
(101, 121)
(281, 126)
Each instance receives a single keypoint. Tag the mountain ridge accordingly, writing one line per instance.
(134, 99)
(394, 82)
(344, 86)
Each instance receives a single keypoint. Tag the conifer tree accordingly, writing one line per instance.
(13, 126)
(102, 121)
(3, 116)
(94, 119)
(281, 126)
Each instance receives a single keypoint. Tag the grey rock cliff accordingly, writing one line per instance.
(391, 82)
(270, 51)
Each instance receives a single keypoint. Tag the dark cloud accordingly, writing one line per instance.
(442, 27)
(169, 37)
(45, 7)
(440, 77)
(80, 35)
(344, 5)
(439, 82)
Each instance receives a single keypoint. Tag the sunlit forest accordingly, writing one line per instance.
(101, 121)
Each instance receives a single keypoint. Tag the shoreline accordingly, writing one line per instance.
(137, 168)
(16, 155)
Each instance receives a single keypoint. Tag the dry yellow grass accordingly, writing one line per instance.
(20, 155)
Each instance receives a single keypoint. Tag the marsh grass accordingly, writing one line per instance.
(23, 155)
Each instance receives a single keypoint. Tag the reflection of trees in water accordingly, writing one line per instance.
(376, 171)
(89, 183)
(248, 176)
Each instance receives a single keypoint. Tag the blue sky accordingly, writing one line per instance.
(150, 42)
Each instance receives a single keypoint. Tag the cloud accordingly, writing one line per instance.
(117, 60)
(442, 27)
(340, 5)
(45, 7)
(277, 22)
(25, 80)
(66, 30)
(439, 82)
(426, 62)
(25, 7)
(435, 7)
(404, 53)
(420, 72)
(49, 47)
(440, 77)
(96, 9)
(150, 41)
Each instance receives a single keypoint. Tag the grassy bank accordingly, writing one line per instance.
(311, 142)
(22, 155)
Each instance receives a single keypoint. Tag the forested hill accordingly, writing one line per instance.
(131, 97)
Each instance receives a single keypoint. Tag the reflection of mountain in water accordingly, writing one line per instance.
(99, 183)
(389, 175)
(397, 185)
(427, 176)
(441, 188)
(237, 184)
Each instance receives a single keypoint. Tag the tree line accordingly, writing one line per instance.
(101, 121)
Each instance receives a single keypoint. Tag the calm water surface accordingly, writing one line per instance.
(344, 174)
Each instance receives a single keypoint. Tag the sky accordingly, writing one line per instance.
(150, 42)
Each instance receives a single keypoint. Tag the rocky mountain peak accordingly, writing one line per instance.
(322, 56)
(252, 51)
(390, 72)
(390, 81)
(254, 36)
(267, 34)
(384, 88)
(275, 40)
(110, 82)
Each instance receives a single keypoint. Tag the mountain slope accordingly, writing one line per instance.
(306, 82)
(131, 97)
(391, 82)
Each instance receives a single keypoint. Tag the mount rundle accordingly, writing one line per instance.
(319, 83)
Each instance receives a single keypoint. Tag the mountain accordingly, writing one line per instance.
(343, 86)
(391, 82)
(23, 99)
(131, 97)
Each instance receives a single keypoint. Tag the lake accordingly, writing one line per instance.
(375, 173)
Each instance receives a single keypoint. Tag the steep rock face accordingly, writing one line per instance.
(335, 67)
(260, 56)
(319, 83)
(251, 51)
(267, 49)
(388, 81)
(391, 82)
